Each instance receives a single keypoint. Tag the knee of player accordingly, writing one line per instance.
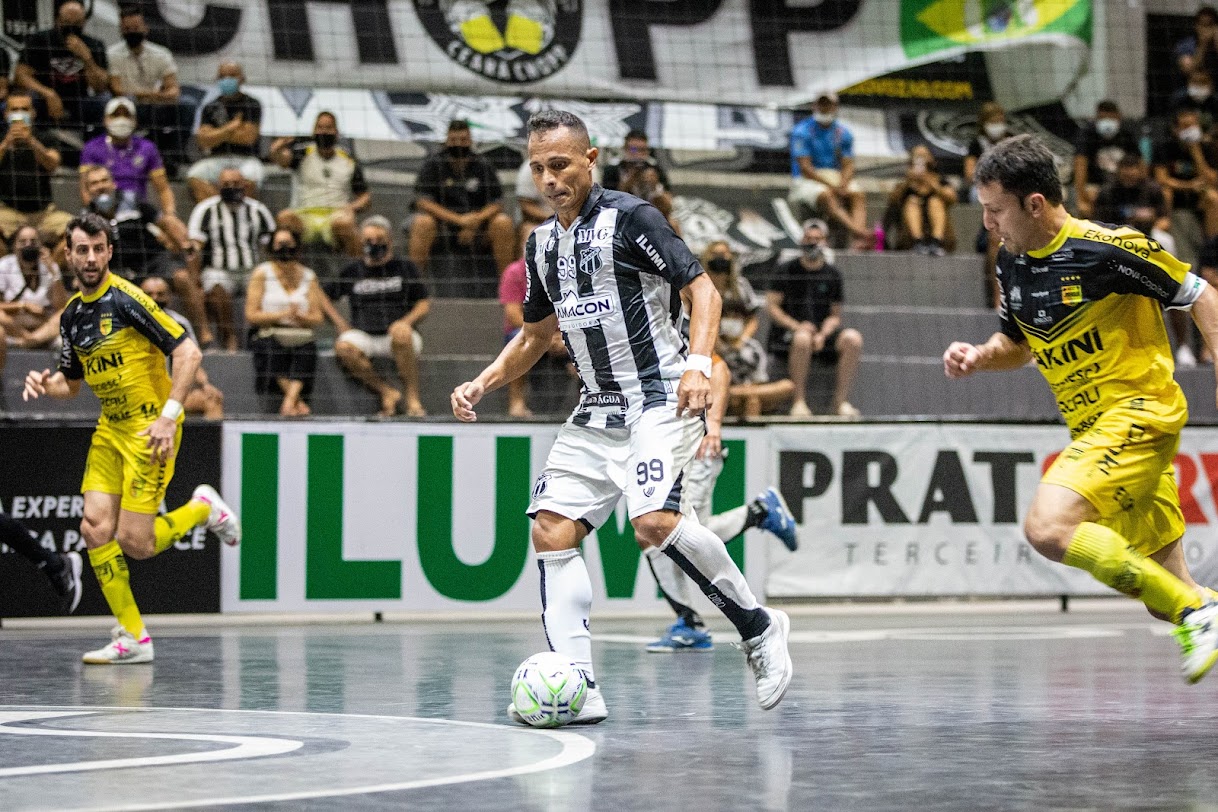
(552, 533)
(1047, 534)
(95, 530)
(652, 529)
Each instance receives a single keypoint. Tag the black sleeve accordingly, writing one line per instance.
(975, 149)
(5, 65)
(428, 183)
(299, 147)
(149, 212)
(416, 288)
(214, 114)
(537, 304)
(149, 320)
(1208, 256)
(98, 49)
(1081, 138)
(651, 240)
(253, 110)
(69, 362)
(358, 184)
(1008, 325)
(494, 189)
(835, 292)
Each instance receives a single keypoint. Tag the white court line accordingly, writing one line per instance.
(933, 633)
(576, 748)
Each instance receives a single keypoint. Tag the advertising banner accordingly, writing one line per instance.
(415, 517)
(925, 510)
(40, 486)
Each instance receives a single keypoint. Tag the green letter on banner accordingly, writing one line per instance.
(448, 574)
(619, 557)
(260, 514)
(729, 492)
(327, 575)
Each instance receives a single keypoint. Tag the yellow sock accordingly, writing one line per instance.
(1213, 596)
(1106, 555)
(177, 523)
(111, 569)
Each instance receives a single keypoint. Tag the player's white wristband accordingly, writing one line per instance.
(172, 409)
(701, 363)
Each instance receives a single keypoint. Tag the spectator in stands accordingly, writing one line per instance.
(26, 167)
(920, 207)
(805, 306)
(147, 72)
(1198, 95)
(822, 170)
(134, 162)
(1099, 148)
(203, 398)
(229, 129)
(512, 286)
(1184, 167)
(226, 232)
(637, 172)
(283, 310)
(387, 301)
(31, 294)
(6, 67)
(533, 208)
(992, 127)
(751, 391)
(65, 66)
(459, 201)
(1200, 51)
(328, 187)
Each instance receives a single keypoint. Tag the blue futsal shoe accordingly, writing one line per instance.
(680, 637)
(778, 518)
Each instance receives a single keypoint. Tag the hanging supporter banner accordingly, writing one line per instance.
(733, 51)
(40, 486)
(936, 510)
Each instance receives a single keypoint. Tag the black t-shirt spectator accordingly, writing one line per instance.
(1103, 154)
(1116, 204)
(612, 176)
(136, 246)
(1178, 159)
(476, 189)
(379, 295)
(57, 67)
(24, 184)
(1207, 108)
(223, 110)
(6, 66)
(806, 296)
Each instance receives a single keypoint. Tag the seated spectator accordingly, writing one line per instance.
(1198, 95)
(459, 201)
(387, 303)
(805, 306)
(26, 167)
(328, 187)
(991, 128)
(65, 66)
(146, 72)
(512, 285)
(203, 398)
(229, 129)
(1099, 149)
(751, 391)
(1131, 198)
(921, 205)
(283, 310)
(646, 180)
(31, 295)
(134, 162)
(533, 208)
(226, 232)
(1184, 167)
(1200, 51)
(6, 67)
(822, 171)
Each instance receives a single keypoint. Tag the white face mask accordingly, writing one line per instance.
(1199, 92)
(1191, 135)
(995, 130)
(824, 119)
(120, 126)
(1107, 127)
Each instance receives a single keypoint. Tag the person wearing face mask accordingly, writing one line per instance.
(387, 302)
(65, 66)
(229, 128)
(32, 294)
(459, 203)
(226, 233)
(328, 187)
(146, 72)
(1098, 150)
(1198, 94)
(134, 162)
(805, 306)
(283, 310)
(992, 128)
(26, 168)
(822, 171)
(1184, 166)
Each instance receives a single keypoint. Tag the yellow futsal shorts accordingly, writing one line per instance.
(1123, 466)
(121, 463)
(317, 224)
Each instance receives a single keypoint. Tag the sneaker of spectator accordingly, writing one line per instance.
(919, 208)
(1099, 149)
(32, 295)
(133, 161)
(328, 187)
(203, 398)
(226, 232)
(27, 164)
(229, 129)
(822, 172)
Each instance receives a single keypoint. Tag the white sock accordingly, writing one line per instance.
(566, 603)
(702, 556)
(674, 584)
(729, 524)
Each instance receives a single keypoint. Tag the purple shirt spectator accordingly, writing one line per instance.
(512, 287)
(130, 165)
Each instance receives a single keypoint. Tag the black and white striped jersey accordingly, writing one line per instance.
(231, 235)
(614, 280)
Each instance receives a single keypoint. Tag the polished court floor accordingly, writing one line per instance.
(1008, 706)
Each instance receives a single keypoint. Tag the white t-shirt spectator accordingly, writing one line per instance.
(13, 287)
(143, 73)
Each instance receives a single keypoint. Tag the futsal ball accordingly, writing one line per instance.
(548, 690)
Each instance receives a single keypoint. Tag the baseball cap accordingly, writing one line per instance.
(120, 101)
(827, 95)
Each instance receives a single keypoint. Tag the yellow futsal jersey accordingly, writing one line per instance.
(1089, 305)
(116, 338)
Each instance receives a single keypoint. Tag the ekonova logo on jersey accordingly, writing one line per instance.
(514, 42)
(576, 311)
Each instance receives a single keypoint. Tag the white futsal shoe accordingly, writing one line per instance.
(768, 657)
(594, 710)
(1197, 635)
(222, 521)
(122, 649)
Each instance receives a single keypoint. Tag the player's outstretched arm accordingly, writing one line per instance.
(998, 353)
(694, 390)
(54, 385)
(517, 358)
(1205, 313)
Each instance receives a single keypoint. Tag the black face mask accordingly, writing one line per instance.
(231, 194)
(375, 251)
(459, 152)
(719, 265)
(284, 253)
(30, 253)
(70, 30)
(325, 140)
(814, 251)
(134, 39)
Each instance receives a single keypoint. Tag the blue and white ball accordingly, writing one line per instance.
(548, 690)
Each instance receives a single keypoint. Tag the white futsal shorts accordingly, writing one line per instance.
(699, 484)
(589, 469)
(377, 346)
